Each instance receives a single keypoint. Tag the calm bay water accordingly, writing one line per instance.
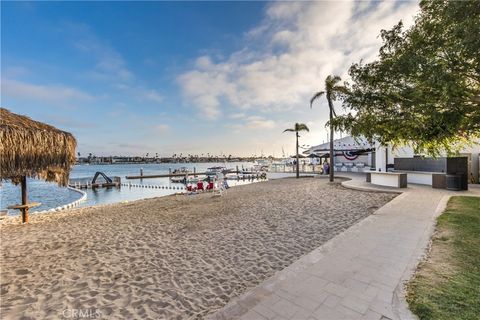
(51, 196)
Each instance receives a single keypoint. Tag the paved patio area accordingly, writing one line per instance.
(360, 273)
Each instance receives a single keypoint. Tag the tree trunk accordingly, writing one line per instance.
(298, 164)
(330, 105)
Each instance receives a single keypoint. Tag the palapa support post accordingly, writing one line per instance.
(24, 200)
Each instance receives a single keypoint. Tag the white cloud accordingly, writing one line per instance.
(152, 95)
(288, 55)
(253, 123)
(109, 64)
(238, 115)
(161, 128)
(56, 94)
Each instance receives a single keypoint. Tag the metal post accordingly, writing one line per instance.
(298, 162)
(332, 151)
(24, 200)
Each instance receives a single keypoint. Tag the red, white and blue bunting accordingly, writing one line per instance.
(350, 155)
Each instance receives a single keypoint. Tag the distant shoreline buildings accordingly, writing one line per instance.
(92, 159)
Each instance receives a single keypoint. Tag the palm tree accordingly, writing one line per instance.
(298, 127)
(332, 91)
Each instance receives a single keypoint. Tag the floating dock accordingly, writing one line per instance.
(88, 183)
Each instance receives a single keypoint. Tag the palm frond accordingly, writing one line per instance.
(330, 83)
(289, 130)
(301, 127)
(316, 96)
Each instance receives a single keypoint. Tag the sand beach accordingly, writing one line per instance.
(175, 257)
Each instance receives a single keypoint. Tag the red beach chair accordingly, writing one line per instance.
(200, 186)
(210, 186)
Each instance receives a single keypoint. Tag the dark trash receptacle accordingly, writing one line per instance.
(454, 182)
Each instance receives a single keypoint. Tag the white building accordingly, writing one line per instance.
(351, 154)
(357, 154)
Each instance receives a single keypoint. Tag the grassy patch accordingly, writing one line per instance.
(447, 285)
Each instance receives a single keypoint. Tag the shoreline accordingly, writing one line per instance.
(10, 219)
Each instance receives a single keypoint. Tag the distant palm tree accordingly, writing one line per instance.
(332, 91)
(298, 127)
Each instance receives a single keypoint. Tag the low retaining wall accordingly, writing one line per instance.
(68, 205)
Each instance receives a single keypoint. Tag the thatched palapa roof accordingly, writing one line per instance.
(34, 149)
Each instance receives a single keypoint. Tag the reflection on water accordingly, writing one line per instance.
(51, 196)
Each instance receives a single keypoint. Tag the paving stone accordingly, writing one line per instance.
(327, 313)
(371, 315)
(347, 312)
(362, 277)
(306, 303)
(355, 285)
(332, 301)
(383, 308)
(301, 315)
(285, 295)
(252, 315)
(285, 308)
(356, 304)
(336, 289)
(265, 312)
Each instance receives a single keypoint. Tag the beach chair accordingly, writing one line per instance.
(200, 186)
(210, 186)
(218, 188)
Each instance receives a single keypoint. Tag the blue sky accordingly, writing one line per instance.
(183, 77)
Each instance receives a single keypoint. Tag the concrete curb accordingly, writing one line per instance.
(68, 205)
(349, 185)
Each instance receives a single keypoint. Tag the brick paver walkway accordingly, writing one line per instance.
(357, 275)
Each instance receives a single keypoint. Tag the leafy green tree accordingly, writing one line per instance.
(332, 91)
(298, 128)
(424, 89)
